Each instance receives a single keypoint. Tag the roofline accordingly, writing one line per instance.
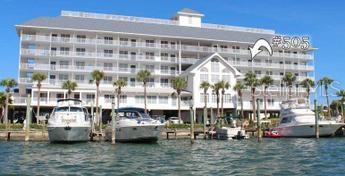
(191, 14)
(166, 36)
(175, 37)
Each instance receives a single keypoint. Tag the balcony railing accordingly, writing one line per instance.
(184, 47)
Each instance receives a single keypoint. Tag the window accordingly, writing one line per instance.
(202, 97)
(257, 72)
(214, 78)
(108, 98)
(164, 82)
(65, 37)
(164, 44)
(214, 98)
(164, 56)
(139, 99)
(150, 43)
(64, 64)
(203, 77)
(203, 69)
(164, 69)
(150, 68)
(149, 55)
(123, 98)
(80, 51)
(81, 38)
(63, 77)
(214, 66)
(79, 78)
(107, 79)
(152, 99)
(163, 99)
(123, 78)
(64, 50)
(108, 53)
(108, 66)
(123, 67)
(227, 98)
(108, 40)
(270, 102)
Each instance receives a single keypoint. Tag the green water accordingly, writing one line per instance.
(177, 157)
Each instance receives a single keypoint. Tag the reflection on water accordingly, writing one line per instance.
(178, 157)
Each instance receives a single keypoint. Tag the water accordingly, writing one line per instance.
(177, 157)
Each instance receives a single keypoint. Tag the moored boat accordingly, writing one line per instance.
(69, 122)
(298, 120)
(134, 125)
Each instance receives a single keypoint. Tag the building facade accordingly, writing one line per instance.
(71, 46)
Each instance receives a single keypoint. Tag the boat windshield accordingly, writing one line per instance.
(69, 109)
(133, 115)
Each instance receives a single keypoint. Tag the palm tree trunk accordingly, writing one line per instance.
(242, 114)
(179, 106)
(6, 109)
(97, 108)
(265, 102)
(218, 111)
(222, 105)
(290, 87)
(38, 103)
(118, 101)
(328, 107)
(145, 97)
(253, 104)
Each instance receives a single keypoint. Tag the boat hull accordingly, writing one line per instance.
(68, 134)
(308, 130)
(136, 134)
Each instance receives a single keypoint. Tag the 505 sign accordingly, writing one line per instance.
(287, 42)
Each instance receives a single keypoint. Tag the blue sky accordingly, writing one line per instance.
(322, 20)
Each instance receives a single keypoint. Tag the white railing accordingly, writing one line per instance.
(184, 47)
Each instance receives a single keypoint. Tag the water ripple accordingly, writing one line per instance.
(177, 157)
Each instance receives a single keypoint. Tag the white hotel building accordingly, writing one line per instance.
(71, 46)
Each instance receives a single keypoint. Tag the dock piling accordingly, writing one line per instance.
(258, 120)
(317, 130)
(113, 123)
(28, 118)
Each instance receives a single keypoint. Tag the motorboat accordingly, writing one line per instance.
(229, 132)
(298, 120)
(69, 122)
(134, 125)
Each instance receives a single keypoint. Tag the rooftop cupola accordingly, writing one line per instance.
(189, 17)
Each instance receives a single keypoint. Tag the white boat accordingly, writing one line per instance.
(298, 120)
(225, 133)
(134, 125)
(69, 122)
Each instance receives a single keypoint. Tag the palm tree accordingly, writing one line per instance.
(336, 106)
(69, 86)
(308, 84)
(179, 84)
(39, 77)
(205, 86)
(2, 104)
(216, 88)
(8, 84)
(252, 82)
(224, 85)
(119, 84)
(326, 82)
(97, 77)
(341, 94)
(289, 78)
(266, 81)
(144, 76)
(238, 88)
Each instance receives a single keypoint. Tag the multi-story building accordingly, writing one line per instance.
(71, 46)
